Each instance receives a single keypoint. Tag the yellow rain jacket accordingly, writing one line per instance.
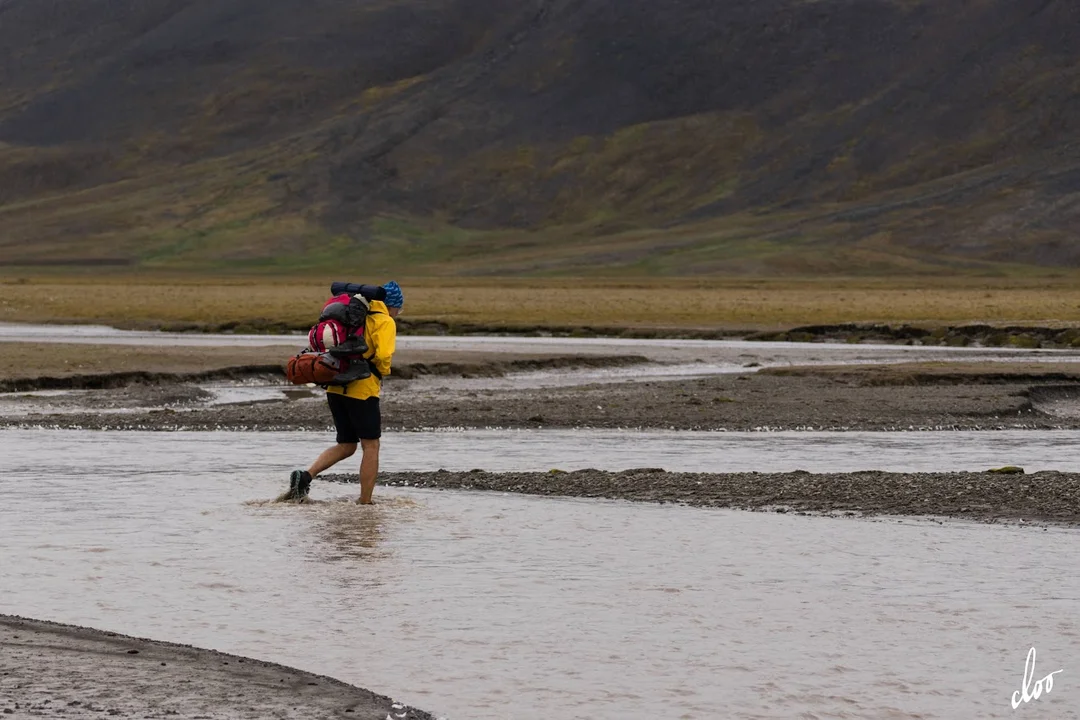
(380, 333)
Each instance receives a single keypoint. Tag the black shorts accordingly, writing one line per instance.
(354, 419)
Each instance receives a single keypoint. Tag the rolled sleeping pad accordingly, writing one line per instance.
(371, 292)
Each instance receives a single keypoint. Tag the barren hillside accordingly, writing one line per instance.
(490, 136)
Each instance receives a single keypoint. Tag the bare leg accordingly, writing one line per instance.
(331, 456)
(369, 469)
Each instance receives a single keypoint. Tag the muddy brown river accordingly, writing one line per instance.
(494, 606)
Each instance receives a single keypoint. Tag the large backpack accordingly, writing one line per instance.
(336, 337)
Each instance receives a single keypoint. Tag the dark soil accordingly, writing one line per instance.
(112, 380)
(1017, 336)
(275, 373)
(728, 402)
(984, 496)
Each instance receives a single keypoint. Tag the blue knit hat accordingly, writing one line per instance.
(394, 297)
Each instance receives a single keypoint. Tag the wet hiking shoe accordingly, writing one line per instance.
(299, 485)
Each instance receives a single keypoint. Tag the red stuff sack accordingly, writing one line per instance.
(325, 335)
(310, 367)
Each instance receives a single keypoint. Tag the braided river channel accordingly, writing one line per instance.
(488, 606)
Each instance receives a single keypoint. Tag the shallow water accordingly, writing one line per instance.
(668, 359)
(693, 451)
(677, 451)
(492, 606)
(667, 350)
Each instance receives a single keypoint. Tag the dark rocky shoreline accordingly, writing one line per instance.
(114, 380)
(1046, 497)
(1009, 336)
(276, 373)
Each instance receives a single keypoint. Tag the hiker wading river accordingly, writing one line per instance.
(355, 405)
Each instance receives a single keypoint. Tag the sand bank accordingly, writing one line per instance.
(53, 670)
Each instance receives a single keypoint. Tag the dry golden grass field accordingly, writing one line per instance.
(149, 301)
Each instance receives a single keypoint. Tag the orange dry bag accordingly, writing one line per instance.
(312, 367)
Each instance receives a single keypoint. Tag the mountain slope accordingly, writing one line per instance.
(472, 136)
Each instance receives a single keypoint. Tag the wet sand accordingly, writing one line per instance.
(731, 402)
(1048, 497)
(754, 401)
(53, 670)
